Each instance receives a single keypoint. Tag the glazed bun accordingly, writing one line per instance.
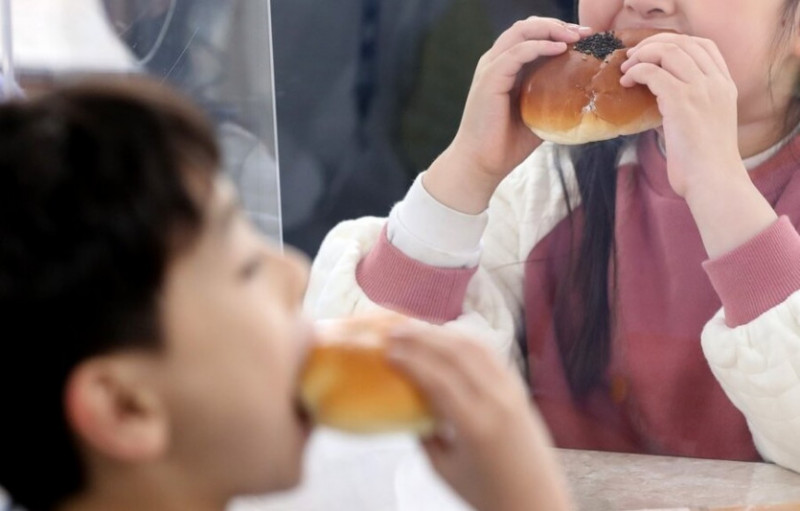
(348, 384)
(575, 97)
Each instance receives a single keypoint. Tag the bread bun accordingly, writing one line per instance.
(348, 384)
(575, 97)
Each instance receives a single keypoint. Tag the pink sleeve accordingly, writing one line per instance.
(395, 281)
(758, 275)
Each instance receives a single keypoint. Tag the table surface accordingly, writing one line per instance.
(390, 473)
(615, 481)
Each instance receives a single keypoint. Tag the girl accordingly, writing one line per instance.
(649, 281)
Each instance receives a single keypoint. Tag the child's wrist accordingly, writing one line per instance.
(728, 211)
(458, 183)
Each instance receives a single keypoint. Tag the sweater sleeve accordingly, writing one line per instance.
(753, 343)
(430, 232)
(357, 269)
(759, 274)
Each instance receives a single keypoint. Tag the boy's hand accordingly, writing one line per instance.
(490, 446)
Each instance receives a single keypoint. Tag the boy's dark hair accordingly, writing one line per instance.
(96, 198)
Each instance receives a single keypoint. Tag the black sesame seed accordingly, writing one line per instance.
(599, 45)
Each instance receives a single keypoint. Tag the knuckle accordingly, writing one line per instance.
(460, 355)
(672, 50)
(704, 41)
(484, 427)
(690, 95)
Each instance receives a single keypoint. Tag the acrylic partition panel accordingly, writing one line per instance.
(217, 52)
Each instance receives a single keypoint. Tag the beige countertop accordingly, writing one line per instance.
(603, 481)
(391, 474)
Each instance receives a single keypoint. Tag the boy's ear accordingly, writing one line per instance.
(115, 409)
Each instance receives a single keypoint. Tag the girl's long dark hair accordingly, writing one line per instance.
(583, 304)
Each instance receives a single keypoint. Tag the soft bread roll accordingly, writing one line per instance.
(348, 384)
(575, 97)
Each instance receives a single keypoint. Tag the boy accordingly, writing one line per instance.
(153, 338)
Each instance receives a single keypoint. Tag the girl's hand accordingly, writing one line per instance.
(490, 446)
(491, 138)
(697, 99)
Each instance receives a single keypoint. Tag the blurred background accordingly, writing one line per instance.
(363, 95)
(218, 52)
(368, 92)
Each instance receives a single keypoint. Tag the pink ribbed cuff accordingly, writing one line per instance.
(758, 275)
(392, 279)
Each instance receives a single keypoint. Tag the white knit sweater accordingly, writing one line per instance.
(757, 364)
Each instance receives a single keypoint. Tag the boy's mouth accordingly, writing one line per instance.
(302, 415)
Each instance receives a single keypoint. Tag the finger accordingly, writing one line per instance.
(536, 28)
(661, 37)
(465, 367)
(705, 61)
(685, 60)
(504, 71)
(659, 81)
(705, 51)
(511, 61)
(472, 362)
(449, 394)
(713, 52)
(672, 58)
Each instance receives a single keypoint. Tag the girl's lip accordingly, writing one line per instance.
(647, 27)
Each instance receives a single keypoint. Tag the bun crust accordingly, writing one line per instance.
(575, 97)
(348, 384)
